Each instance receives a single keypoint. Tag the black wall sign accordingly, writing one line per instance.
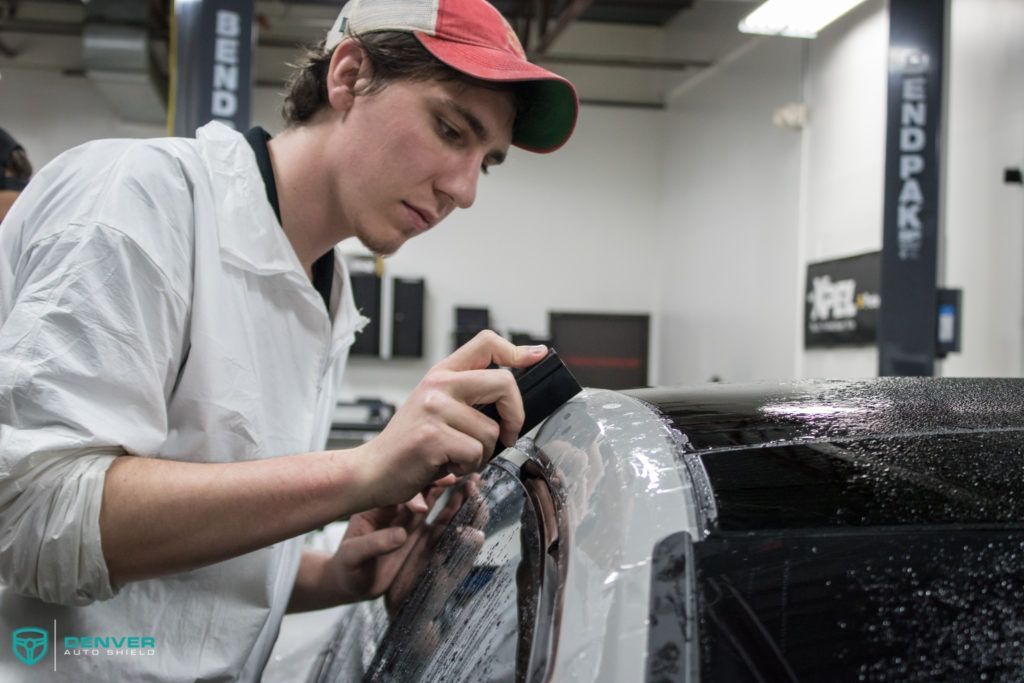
(906, 334)
(407, 317)
(212, 64)
(842, 302)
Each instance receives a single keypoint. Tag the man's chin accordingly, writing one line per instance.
(382, 248)
(380, 251)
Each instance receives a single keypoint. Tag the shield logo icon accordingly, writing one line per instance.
(29, 644)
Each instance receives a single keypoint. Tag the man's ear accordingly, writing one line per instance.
(348, 68)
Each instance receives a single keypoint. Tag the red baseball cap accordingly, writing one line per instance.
(472, 37)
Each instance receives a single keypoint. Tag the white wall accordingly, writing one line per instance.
(845, 162)
(984, 217)
(49, 113)
(728, 239)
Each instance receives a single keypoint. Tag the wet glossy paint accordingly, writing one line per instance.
(860, 453)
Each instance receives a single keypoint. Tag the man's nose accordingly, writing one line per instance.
(459, 182)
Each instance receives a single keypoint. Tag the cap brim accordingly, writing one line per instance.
(549, 120)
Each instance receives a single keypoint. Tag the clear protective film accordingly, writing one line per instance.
(617, 467)
(460, 603)
(539, 567)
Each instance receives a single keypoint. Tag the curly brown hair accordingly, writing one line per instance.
(394, 56)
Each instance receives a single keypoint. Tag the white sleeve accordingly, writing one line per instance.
(89, 353)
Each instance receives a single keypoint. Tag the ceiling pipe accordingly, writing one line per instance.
(75, 29)
(550, 34)
(59, 28)
(628, 62)
(523, 26)
(542, 12)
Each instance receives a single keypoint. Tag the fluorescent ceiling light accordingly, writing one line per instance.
(795, 18)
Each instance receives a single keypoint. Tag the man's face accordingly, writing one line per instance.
(413, 153)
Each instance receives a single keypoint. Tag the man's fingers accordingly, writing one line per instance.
(417, 505)
(465, 453)
(482, 387)
(438, 433)
(447, 397)
(459, 433)
(464, 377)
(489, 347)
(468, 543)
(446, 481)
(471, 539)
(470, 421)
(451, 506)
(376, 518)
(476, 387)
(434, 491)
(372, 545)
(480, 517)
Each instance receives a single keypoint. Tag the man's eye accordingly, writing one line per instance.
(448, 132)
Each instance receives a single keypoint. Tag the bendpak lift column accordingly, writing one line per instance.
(211, 64)
(907, 325)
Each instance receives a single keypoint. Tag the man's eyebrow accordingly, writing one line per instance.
(476, 125)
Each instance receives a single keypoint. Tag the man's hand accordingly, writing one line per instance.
(437, 433)
(383, 551)
(423, 552)
(374, 548)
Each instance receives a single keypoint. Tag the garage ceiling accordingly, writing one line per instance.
(648, 12)
(617, 52)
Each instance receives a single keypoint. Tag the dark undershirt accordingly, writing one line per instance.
(323, 267)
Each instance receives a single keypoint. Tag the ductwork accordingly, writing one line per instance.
(125, 60)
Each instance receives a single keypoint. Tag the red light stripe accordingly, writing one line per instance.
(601, 362)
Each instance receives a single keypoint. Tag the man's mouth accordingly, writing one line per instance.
(422, 220)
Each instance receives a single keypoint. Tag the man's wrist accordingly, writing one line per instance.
(355, 478)
(316, 585)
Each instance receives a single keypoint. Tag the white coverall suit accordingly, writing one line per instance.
(151, 304)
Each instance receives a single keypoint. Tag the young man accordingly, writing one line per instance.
(15, 170)
(173, 325)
